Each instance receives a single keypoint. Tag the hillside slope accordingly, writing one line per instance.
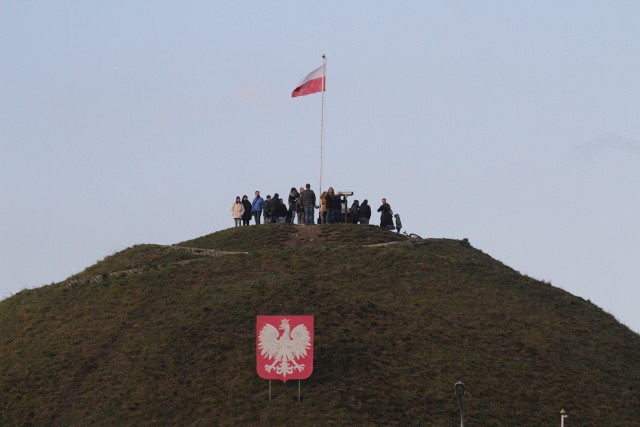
(165, 335)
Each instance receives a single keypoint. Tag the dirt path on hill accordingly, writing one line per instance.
(306, 235)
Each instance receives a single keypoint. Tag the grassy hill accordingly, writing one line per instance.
(165, 335)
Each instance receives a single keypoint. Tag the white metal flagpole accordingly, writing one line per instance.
(324, 75)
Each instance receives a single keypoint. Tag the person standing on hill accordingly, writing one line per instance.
(256, 207)
(246, 216)
(364, 212)
(354, 212)
(293, 199)
(386, 215)
(334, 206)
(398, 223)
(284, 214)
(330, 200)
(266, 211)
(323, 208)
(309, 203)
(300, 207)
(273, 207)
(237, 209)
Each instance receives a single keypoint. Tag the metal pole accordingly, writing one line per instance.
(459, 389)
(269, 390)
(324, 75)
(563, 415)
(298, 391)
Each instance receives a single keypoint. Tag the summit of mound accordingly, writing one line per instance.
(276, 236)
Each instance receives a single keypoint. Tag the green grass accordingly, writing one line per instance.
(395, 327)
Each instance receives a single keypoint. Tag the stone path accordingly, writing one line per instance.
(126, 273)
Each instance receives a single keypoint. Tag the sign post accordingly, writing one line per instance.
(459, 389)
(563, 415)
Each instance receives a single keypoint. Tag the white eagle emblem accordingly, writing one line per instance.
(284, 349)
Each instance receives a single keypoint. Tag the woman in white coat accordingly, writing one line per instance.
(237, 210)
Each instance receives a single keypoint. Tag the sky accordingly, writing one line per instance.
(513, 124)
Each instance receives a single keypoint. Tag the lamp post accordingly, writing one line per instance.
(563, 415)
(459, 389)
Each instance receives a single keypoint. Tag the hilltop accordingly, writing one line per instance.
(165, 335)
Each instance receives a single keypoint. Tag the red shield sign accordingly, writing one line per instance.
(284, 347)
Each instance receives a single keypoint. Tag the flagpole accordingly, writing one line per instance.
(324, 75)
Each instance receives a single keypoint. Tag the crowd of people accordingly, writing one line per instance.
(300, 206)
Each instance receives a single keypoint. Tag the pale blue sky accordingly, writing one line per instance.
(514, 124)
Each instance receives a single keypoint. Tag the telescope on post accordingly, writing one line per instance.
(344, 212)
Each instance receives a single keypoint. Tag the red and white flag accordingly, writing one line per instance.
(313, 82)
(284, 347)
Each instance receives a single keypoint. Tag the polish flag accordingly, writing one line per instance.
(313, 82)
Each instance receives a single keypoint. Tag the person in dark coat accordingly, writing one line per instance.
(293, 203)
(300, 207)
(246, 216)
(334, 206)
(266, 212)
(386, 215)
(283, 212)
(365, 212)
(354, 212)
(273, 208)
(398, 222)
